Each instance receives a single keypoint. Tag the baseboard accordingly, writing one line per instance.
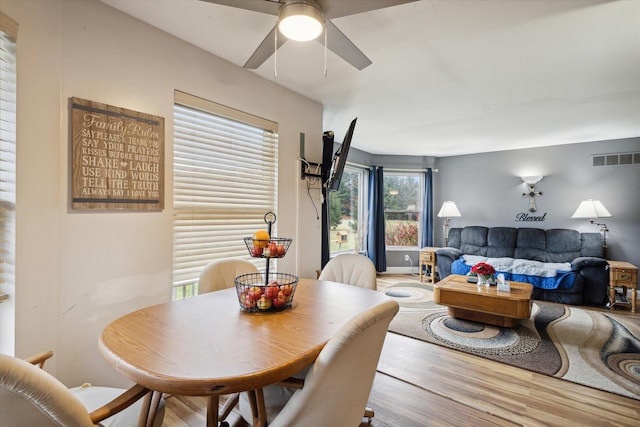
(402, 270)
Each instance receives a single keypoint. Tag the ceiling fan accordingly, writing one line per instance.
(314, 15)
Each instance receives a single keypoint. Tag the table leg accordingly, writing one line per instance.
(212, 411)
(634, 295)
(612, 295)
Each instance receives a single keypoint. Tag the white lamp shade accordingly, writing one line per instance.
(591, 209)
(300, 21)
(448, 210)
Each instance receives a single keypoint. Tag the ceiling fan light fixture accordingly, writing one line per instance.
(300, 20)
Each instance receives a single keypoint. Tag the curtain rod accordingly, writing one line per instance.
(390, 169)
(404, 170)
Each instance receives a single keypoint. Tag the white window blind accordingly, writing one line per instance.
(225, 180)
(8, 30)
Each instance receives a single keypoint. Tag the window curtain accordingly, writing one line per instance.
(376, 249)
(427, 209)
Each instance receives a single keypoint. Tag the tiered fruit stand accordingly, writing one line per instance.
(273, 291)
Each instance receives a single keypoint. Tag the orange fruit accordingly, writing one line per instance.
(260, 239)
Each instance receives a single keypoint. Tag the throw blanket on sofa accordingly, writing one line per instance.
(539, 274)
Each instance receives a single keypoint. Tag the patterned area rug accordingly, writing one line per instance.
(588, 347)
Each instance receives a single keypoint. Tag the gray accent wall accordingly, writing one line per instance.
(487, 189)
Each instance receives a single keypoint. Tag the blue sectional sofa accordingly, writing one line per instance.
(565, 266)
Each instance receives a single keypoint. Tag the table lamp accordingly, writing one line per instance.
(448, 210)
(592, 209)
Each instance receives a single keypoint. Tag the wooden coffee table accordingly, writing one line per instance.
(484, 304)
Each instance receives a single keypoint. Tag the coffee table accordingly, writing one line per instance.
(484, 304)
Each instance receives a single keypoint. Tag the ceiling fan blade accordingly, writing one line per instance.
(270, 7)
(340, 44)
(337, 8)
(265, 50)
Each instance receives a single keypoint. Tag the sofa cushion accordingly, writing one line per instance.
(531, 244)
(474, 240)
(501, 242)
(563, 245)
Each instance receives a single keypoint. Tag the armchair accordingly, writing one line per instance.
(30, 396)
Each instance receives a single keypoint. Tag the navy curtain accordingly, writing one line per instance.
(427, 209)
(376, 249)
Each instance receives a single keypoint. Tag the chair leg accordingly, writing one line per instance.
(229, 404)
(256, 402)
(368, 413)
(153, 408)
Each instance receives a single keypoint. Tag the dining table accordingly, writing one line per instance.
(207, 346)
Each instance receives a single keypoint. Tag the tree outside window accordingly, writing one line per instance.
(403, 208)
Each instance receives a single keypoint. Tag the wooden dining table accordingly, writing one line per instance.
(207, 346)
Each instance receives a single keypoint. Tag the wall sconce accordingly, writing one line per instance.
(594, 209)
(448, 210)
(531, 180)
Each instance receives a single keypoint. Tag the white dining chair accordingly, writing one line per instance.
(30, 396)
(220, 274)
(352, 269)
(337, 386)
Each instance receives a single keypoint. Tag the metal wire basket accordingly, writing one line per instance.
(256, 294)
(276, 247)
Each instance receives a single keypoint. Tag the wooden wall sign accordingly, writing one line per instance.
(117, 160)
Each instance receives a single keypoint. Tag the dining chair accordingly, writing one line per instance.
(337, 386)
(30, 396)
(352, 269)
(218, 275)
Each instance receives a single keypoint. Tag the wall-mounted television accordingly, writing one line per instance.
(340, 160)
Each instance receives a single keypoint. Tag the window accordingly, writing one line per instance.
(225, 180)
(347, 213)
(402, 208)
(8, 32)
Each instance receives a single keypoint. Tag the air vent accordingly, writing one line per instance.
(616, 159)
(626, 159)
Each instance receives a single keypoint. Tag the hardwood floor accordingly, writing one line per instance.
(421, 384)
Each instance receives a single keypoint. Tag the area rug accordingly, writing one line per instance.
(588, 347)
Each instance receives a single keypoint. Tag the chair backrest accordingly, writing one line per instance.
(29, 396)
(220, 274)
(337, 387)
(352, 269)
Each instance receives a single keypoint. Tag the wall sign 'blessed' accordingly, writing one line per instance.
(117, 158)
(523, 216)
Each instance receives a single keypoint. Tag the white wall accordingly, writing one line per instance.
(77, 271)
(488, 190)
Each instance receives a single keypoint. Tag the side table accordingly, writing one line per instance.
(428, 258)
(625, 275)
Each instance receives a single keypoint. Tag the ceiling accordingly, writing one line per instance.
(449, 77)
